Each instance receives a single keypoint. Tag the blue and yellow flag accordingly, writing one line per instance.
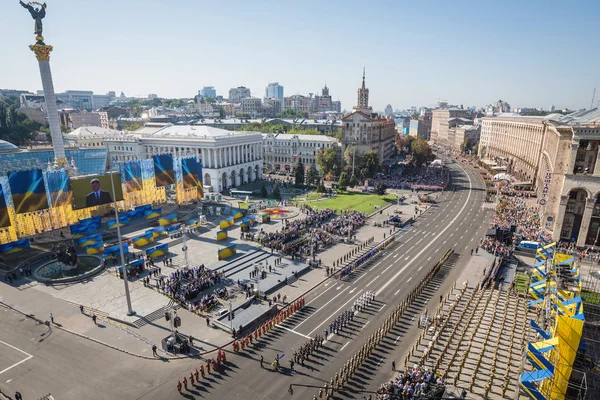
(28, 191)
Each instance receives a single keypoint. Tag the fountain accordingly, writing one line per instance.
(68, 266)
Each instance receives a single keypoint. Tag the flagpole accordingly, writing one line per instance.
(130, 311)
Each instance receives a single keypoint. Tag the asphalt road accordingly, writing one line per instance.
(74, 368)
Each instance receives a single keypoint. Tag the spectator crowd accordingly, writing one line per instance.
(413, 383)
(185, 284)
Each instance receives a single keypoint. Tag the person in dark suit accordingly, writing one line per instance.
(97, 197)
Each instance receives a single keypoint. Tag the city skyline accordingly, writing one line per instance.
(476, 64)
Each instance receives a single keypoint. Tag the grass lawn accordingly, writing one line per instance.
(314, 196)
(521, 282)
(590, 297)
(363, 202)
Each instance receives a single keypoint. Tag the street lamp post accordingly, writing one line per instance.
(123, 267)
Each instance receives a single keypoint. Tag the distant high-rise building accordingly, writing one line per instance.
(322, 103)
(389, 111)
(362, 103)
(207, 91)
(237, 94)
(552, 108)
(274, 91)
(298, 102)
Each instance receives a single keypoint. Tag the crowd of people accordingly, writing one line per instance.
(432, 179)
(345, 223)
(515, 211)
(185, 284)
(413, 382)
(205, 303)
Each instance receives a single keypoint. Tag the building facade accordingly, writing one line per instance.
(298, 102)
(447, 129)
(368, 130)
(252, 106)
(462, 133)
(274, 91)
(272, 107)
(207, 92)
(282, 151)
(237, 94)
(439, 115)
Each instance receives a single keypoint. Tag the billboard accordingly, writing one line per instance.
(132, 176)
(4, 218)
(113, 251)
(143, 240)
(28, 191)
(158, 251)
(95, 190)
(95, 248)
(164, 174)
(13, 247)
(59, 188)
(189, 171)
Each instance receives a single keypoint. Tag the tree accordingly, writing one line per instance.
(353, 181)
(343, 181)
(321, 187)
(134, 126)
(380, 188)
(263, 191)
(15, 127)
(467, 145)
(353, 154)
(421, 152)
(328, 160)
(276, 194)
(291, 113)
(404, 143)
(299, 173)
(312, 176)
(370, 164)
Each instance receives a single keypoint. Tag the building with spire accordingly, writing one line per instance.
(368, 130)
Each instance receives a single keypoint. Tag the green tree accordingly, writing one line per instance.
(370, 164)
(312, 175)
(276, 192)
(299, 173)
(404, 143)
(134, 126)
(321, 187)
(353, 181)
(421, 152)
(209, 100)
(291, 113)
(467, 145)
(328, 161)
(380, 188)
(343, 181)
(16, 128)
(263, 191)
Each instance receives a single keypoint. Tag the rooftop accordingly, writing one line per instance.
(196, 132)
(578, 118)
(309, 138)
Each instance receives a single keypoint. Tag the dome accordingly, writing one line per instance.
(7, 146)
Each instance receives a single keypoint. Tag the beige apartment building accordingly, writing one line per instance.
(439, 122)
(559, 153)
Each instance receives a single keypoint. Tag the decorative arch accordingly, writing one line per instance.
(206, 181)
(224, 180)
(250, 174)
(233, 180)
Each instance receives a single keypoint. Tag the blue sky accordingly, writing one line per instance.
(527, 53)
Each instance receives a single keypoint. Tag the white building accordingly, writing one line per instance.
(281, 151)
(229, 158)
(237, 94)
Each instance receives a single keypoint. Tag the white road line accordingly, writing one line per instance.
(344, 346)
(29, 356)
(420, 268)
(324, 305)
(409, 279)
(398, 338)
(320, 295)
(429, 258)
(387, 268)
(381, 289)
(334, 313)
(397, 291)
(372, 281)
(376, 265)
(445, 241)
(366, 324)
(293, 331)
(382, 307)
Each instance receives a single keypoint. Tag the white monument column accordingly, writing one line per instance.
(42, 53)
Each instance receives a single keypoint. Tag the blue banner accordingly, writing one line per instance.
(132, 176)
(59, 188)
(154, 213)
(156, 231)
(4, 218)
(173, 228)
(88, 240)
(164, 172)
(13, 247)
(189, 171)
(158, 251)
(114, 250)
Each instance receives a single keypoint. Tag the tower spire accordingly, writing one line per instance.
(363, 82)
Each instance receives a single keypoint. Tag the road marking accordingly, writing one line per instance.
(376, 265)
(366, 324)
(413, 318)
(395, 255)
(324, 305)
(420, 267)
(293, 331)
(29, 356)
(429, 258)
(344, 346)
(397, 291)
(455, 244)
(380, 361)
(372, 281)
(352, 291)
(334, 313)
(407, 257)
(387, 268)
(466, 247)
(462, 236)
(339, 287)
(445, 241)
(409, 279)
(320, 295)
(398, 338)
(381, 289)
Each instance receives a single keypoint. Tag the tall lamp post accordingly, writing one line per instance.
(123, 267)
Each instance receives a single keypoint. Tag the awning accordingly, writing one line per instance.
(499, 168)
(489, 162)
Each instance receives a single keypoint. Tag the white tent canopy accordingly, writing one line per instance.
(503, 177)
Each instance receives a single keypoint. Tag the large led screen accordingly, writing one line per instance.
(4, 218)
(189, 171)
(163, 170)
(28, 191)
(132, 176)
(95, 190)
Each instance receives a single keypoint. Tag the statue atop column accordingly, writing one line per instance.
(37, 14)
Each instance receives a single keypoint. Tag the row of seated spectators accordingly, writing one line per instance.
(434, 178)
(345, 223)
(205, 303)
(185, 284)
(413, 383)
(317, 238)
